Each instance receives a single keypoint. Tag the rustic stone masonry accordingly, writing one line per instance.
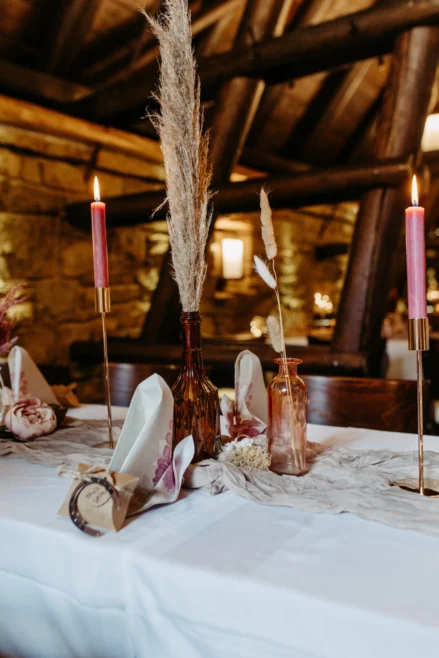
(40, 174)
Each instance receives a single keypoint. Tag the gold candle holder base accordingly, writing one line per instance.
(418, 339)
(103, 306)
(431, 487)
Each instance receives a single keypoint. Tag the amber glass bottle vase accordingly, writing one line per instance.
(196, 403)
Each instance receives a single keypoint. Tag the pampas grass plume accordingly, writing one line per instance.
(267, 226)
(264, 272)
(274, 333)
(185, 150)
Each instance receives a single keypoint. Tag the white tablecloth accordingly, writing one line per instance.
(213, 577)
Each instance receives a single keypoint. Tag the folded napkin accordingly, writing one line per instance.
(26, 378)
(144, 448)
(248, 416)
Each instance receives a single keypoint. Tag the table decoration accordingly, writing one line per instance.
(7, 323)
(247, 416)
(287, 395)
(188, 177)
(100, 499)
(418, 329)
(102, 287)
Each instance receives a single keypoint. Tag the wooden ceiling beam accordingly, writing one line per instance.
(292, 191)
(66, 36)
(40, 86)
(319, 47)
(351, 101)
(33, 117)
(128, 89)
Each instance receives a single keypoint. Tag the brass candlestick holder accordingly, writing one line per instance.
(418, 339)
(103, 306)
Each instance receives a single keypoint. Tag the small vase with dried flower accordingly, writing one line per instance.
(286, 432)
(287, 394)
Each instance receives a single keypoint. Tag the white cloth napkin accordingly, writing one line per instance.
(248, 416)
(145, 445)
(26, 378)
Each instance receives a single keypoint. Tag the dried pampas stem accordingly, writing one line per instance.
(264, 272)
(267, 226)
(274, 333)
(185, 150)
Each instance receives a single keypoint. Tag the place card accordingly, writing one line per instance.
(98, 497)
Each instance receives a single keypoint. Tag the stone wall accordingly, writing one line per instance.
(40, 174)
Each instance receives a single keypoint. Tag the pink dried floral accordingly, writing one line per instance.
(12, 298)
(165, 468)
(30, 418)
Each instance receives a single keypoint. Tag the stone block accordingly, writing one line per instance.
(64, 176)
(23, 197)
(32, 169)
(129, 165)
(29, 246)
(29, 140)
(10, 163)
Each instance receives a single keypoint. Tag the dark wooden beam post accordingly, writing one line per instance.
(381, 217)
(236, 103)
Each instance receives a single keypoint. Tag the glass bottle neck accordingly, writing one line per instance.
(288, 368)
(191, 340)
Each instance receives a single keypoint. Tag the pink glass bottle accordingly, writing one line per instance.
(287, 405)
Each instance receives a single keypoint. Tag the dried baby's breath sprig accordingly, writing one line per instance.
(267, 226)
(263, 271)
(274, 333)
(185, 150)
(245, 454)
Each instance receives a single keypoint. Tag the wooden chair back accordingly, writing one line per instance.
(125, 377)
(379, 404)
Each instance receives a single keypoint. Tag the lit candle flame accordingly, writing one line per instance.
(97, 192)
(415, 197)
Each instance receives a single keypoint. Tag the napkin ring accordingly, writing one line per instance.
(74, 512)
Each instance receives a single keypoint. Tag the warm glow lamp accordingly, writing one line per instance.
(233, 258)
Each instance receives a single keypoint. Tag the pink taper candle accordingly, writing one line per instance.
(415, 248)
(99, 232)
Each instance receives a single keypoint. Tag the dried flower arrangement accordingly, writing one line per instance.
(7, 323)
(185, 150)
(244, 453)
(179, 124)
(268, 274)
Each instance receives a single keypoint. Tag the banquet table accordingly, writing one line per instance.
(212, 576)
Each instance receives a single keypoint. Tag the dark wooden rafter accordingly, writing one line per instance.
(380, 220)
(319, 47)
(353, 98)
(65, 37)
(141, 63)
(129, 87)
(40, 86)
(292, 191)
(236, 103)
(100, 57)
